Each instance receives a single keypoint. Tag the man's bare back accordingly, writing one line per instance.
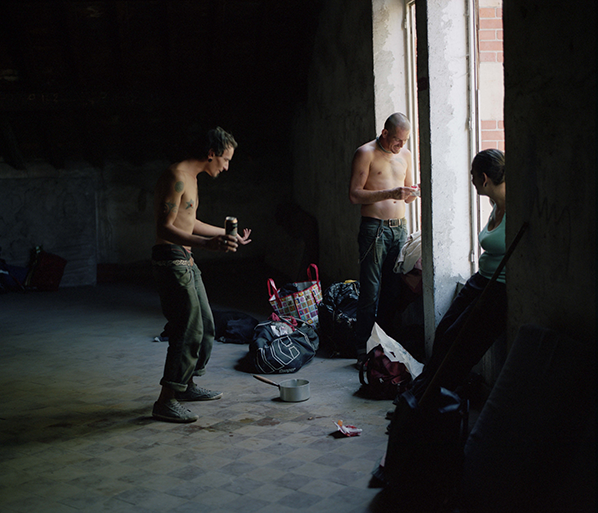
(381, 178)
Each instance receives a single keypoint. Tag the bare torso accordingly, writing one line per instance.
(375, 170)
(169, 201)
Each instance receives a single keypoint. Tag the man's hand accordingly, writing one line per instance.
(402, 193)
(224, 243)
(244, 239)
(228, 243)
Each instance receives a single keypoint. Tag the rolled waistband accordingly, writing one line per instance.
(391, 223)
(163, 254)
(188, 263)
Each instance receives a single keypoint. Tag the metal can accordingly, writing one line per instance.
(230, 226)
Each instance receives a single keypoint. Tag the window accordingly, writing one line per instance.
(486, 97)
(412, 114)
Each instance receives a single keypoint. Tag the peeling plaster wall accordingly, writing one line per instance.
(338, 117)
(550, 127)
(445, 161)
(390, 77)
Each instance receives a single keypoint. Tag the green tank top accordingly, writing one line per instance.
(494, 246)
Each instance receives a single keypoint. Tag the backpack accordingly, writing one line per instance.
(337, 315)
(381, 378)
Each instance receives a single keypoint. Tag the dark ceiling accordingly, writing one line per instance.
(126, 79)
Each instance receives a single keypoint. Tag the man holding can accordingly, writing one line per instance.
(190, 325)
(382, 183)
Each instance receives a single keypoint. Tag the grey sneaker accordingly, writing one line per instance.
(173, 411)
(195, 393)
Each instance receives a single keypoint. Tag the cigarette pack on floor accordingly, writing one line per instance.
(347, 430)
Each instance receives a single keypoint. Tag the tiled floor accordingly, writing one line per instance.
(79, 373)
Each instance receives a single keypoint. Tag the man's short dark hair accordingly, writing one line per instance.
(196, 144)
(219, 140)
(397, 120)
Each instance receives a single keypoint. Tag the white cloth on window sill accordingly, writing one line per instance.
(411, 254)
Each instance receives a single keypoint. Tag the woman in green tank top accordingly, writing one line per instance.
(488, 177)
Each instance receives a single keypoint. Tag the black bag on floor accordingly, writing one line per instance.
(12, 277)
(234, 327)
(424, 457)
(279, 348)
(337, 314)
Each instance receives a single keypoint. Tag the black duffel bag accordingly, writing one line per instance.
(279, 348)
(424, 456)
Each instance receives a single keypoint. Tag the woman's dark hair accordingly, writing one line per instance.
(491, 162)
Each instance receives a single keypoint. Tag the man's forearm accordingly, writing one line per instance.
(207, 230)
(365, 197)
(175, 235)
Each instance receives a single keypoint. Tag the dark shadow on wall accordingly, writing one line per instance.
(302, 226)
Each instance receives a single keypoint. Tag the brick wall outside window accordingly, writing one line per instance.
(491, 51)
(491, 38)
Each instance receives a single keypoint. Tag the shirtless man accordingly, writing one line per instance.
(190, 327)
(381, 182)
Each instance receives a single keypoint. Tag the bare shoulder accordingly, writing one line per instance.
(173, 177)
(364, 154)
(405, 152)
(403, 158)
(367, 148)
(175, 172)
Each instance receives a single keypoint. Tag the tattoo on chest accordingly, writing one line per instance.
(190, 204)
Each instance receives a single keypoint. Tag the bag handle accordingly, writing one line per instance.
(363, 373)
(272, 290)
(309, 275)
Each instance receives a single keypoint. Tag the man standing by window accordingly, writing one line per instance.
(382, 183)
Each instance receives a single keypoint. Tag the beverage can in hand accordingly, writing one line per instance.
(230, 226)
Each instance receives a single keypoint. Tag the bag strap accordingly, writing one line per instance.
(293, 322)
(363, 367)
(309, 275)
(272, 290)
(471, 317)
(363, 372)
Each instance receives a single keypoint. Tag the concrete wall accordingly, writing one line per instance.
(337, 117)
(445, 154)
(550, 145)
(104, 215)
(55, 209)
(108, 107)
(390, 70)
(550, 127)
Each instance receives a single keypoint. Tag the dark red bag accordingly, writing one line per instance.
(381, 378)
(46, 270)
